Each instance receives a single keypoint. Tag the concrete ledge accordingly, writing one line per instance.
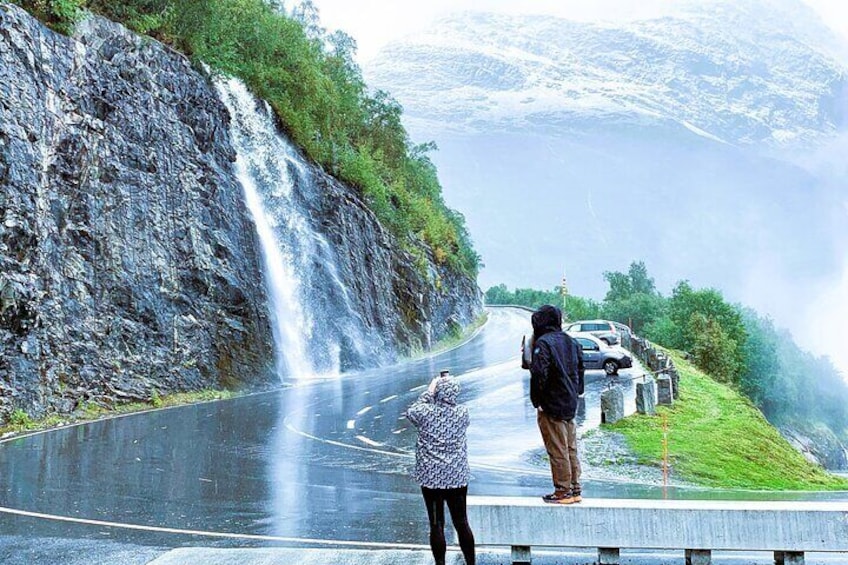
(661, 524)
(290, 556)
(315, 556)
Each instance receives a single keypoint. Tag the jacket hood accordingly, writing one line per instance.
(546, 319)
(447, 390)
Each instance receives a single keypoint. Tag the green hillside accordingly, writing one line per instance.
(717, 438)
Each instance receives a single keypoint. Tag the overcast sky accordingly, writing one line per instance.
(373, 23)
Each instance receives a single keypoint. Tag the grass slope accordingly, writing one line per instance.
(717, 438)
(20, 422)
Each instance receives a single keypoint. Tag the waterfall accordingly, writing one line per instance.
(263, 170)
(304, 286)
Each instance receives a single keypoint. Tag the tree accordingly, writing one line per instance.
(636, 310)
(640, 282)
(635, 281)
(620, 286)
(702, 316)
(632, 297)
(307, 15)
(714, 350)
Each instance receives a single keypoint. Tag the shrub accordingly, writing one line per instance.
(20, 419)
(60, 15)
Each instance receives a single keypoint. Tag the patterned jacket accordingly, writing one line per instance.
(441, 453)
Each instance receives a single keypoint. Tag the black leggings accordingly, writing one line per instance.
(435, 499)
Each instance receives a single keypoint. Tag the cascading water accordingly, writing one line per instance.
(305, 289)
(260, 173)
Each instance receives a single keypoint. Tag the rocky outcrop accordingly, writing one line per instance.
(407, 304)
(818, 445)
(128, 260)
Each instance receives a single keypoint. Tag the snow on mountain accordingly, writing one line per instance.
(758, 71)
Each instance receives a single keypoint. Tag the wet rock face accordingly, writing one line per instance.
(127, 259)
(818, 445)
(400, 305)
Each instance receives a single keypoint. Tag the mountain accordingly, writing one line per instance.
(731, 72)
(683, 141)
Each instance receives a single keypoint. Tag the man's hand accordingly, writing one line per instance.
(432, 387)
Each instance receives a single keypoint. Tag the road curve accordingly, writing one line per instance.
(325, 462)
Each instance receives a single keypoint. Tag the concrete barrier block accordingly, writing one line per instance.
(675, 382)
(612, 405)
(665, 394)
(804, 526)
(608, 556)
(645, 394)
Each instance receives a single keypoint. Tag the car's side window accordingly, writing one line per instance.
(587, 345)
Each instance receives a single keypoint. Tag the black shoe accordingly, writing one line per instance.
(559, 497)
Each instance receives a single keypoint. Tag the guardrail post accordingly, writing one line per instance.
(793, 558)
(612, 405)
(608, 556)
(645, 397)
(521, 554)
(665, 395)
(675, 382)
(698, 557)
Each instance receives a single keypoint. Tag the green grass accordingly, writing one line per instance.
(717, 438)
(20, 422)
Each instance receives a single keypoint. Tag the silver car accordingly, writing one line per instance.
(598, 355)
(604, 330)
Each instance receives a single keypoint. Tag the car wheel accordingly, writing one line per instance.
(605, 340)
(610, 367)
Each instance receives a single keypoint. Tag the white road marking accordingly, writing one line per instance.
(351, 424)
(392, 397)
(369, 441)
(204, 533)
(410, 455)
(364, 410)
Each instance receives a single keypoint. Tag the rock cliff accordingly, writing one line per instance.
(818, 444)
(128, 260)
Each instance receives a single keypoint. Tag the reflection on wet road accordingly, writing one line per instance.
(325, 459)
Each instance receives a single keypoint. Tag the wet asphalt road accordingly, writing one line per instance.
(320, 460)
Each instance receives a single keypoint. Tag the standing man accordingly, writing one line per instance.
(556, 381)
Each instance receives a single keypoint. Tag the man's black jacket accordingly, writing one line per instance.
(556, 373)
